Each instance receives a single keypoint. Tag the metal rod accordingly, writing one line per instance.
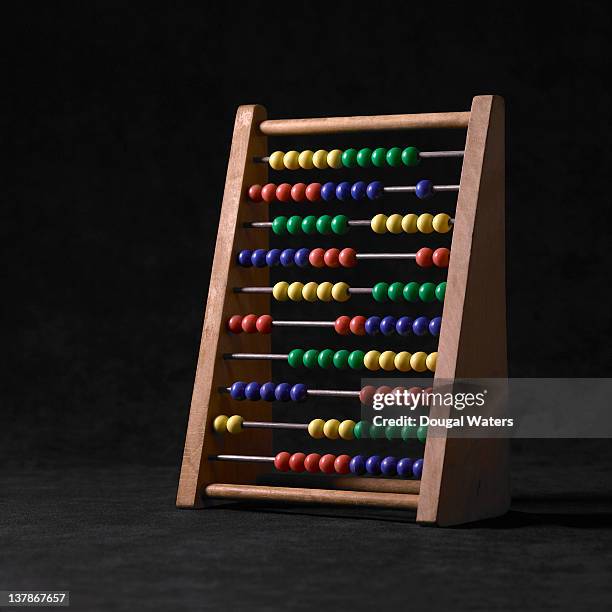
(424, 154)
(352, 223)
(256, 458)
(304, 323)
(385, 256)
(316, 392)
(271, 425)
(412, 188)
(273, 356)
(351, 290)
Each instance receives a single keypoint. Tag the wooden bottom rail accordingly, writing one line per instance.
(348, 483)
(313, 496)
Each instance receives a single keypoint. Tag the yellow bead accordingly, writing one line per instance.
(371, 360)
(315, 428)
(431, 361)
(220, 423)
(295, 292)
(409, 223)
(276, 160)
(290, 160)
(324, 291)
(319, 159)
(418, 361)
(334, 159)
(394, 224)
(305, 159)
(441, 223)
(330, 429)
(402, 361)
(346, 429)
(280, 290)
(387, 361)
(379, 223)
(309, 292)
(234, 424)
(425, 223)
(340, 292)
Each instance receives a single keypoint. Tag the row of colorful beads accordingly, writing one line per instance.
(411, 223)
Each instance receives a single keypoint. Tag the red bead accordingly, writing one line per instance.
(313, 192)
(255, 193)
(249, 324)
(348, 258)
(311, 463)
(341, 464)
(316, 258)
(296, 462)
(326, 464)
(383, 390)
(268, 193)
(331, 258)
(264, 324)
(426, 395)
(298, 192)
(440, 258)
(424, 257)
(281, 461)
(358, 325)
(414, 397)
(234, 324)
(366, 394)
(283, 192)
(341, 325)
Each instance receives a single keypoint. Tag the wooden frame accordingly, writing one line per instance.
(463, 479)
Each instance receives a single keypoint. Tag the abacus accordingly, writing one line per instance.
(229, 444)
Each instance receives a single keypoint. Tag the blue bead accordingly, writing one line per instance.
(358, 190)
(287, 257)
(388, 466)
(373, 465)
(343, 191)
(404, 326)
(358, 465)
(328, 192)
(420, 326)
(404, 467)
(283, 392)
(258, 258)
(237, 390)
(251, 391)
(267, 392)
(298, 392)
(273, 257)
(417, 468)
(374, 190)
(387, 326)
(301, 258)
(372, 325)
(434, 326)
(424, 189)
(244, 258)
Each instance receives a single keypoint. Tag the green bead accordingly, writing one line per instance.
(309, 225)
(361, 431)
(279, 225)
(294, 225)
(427, 292)
(355, 360)
(441, 291)
(349, 158)
(339, 224)
(341, 359)
(325, 358)
(364, 157)
(310, 358)
(379, 157)
(421, 433)
(392, 432)
(410, 156)
(380, 292)
(377, 431)
(324, 224)
(408, 432)
(295, 358)
(394, 157)
(396, 292)
(411, 292)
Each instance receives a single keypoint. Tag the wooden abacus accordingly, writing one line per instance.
(461, 480)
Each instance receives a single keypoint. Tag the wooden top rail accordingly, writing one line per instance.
(323, 125)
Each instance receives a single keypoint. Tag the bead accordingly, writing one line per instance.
(372, 325)
(361, 431)
(424, 257)
(420, 326)
(251, 392)
(287, 258)
(341, 464)
(379, 157)
(283, 192)
(394, 224)
(309, 225)
(408, 432)
(283, 392)
(237, 390)
(301, 258)
(392, 432)
(417, 468)
(258, 258)
(367, 394)
(298, 392)
(317, 258)
(431, 361)
(234, 424)
(396, 292)
(345, 431)
(296, 462)
(372, 465)
(355, 360)
(404, 467)
(379, 292)
(249, 324)
(341, 359)
(364, 157)
(324, 291)
(310, 358)
(402, 361)
(279, 225)
(434, 326)
(349, 158)
(324, 224)
(403, 326)
(411, 292)
(378, 223)
(388, 466)
(273, 257)
(294, 291)
(331, 258)
(276, 160)
(422, 433)
(357, 325)
(394, 157)
(313, 192)
(341, 325)
(254, 193)
(311, 463)
(371, 360)
(409, 223)
(374, 190)
(418, 361)
(330, 429)
(290, 160)
(357, 465)
(325, 359)
(410, 156)
(343, 191)
(440, 291)
(348, 258)
(298, 192)
(244, 258)
(294, 225)
(295, 358)
(309, 292)
(328, 192)
(427, 292)
(315, 428)
(340, 292)
(305, 160)
(440, 257)
(387, 361)
(267, 391)
(220, 424)
(424, 189)
(387, 324)
(268, 193)
(281, 461)
(425, 223)
(234, 324)
(441, 223)
(319, 159)
(326, 463)
(334, 159)
(358, 190)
